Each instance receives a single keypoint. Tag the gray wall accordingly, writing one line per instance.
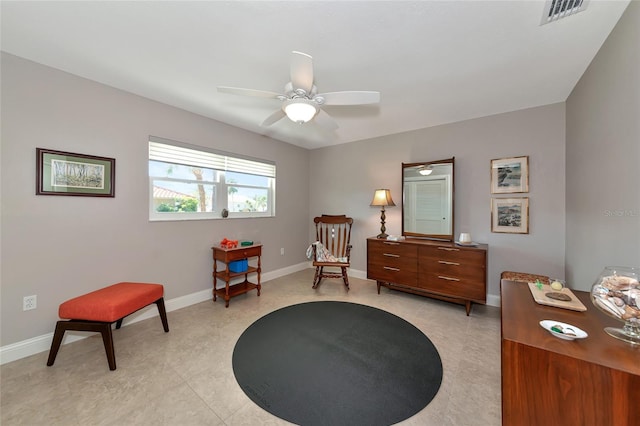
(344, 177)
(59, 247)
(603, 157)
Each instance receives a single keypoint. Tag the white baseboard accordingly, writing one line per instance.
(42, 343)
(493, 300)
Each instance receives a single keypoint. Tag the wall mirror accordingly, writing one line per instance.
(427, 199)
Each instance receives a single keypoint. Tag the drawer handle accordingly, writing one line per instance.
(390, 255)
(448, 263)
(448, 249)
(391, 243)
(448, 278)
(389, 268)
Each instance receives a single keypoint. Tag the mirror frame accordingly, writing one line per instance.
(440, 237)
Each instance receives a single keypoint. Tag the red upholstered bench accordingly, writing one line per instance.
(98, 310)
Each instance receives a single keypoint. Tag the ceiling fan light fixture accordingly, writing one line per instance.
(300, 110)
(425, 170)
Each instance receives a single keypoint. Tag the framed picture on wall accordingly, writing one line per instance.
(510, 175)
(510, 215)
(66, 173)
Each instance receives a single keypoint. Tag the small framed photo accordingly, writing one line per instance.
(510, 215)
(66, 173)
(510, 175)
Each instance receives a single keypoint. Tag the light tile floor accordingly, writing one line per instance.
(185, 377)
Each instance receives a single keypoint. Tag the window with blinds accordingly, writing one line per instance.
(188, 182)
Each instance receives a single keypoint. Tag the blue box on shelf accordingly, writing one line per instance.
(239, 265)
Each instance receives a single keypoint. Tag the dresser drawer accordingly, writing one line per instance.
(390, 249)
(454, 254)
(453, 268)
(392, 262)
(453, 287)
(392, 274)
(237, 254)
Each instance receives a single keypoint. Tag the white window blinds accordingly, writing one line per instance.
(178, 153)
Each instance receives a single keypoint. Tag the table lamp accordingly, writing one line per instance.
(382, 198)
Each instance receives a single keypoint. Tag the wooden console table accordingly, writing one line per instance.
(225, 256)
(549, 381)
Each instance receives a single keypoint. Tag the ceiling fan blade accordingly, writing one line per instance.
(350, 98)
(302, 71)
(323, 119)
(248, 92)
(276, 116)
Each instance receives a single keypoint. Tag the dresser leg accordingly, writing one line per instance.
(467, 305)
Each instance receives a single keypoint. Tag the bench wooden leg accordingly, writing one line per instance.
(163, 314)
(161, 311)
(107, 338)
(103, 328)
(57, 341)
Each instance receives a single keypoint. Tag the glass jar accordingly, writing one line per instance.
(616, 292)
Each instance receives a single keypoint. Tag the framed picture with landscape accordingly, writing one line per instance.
(510, 175)
(66, 173)
(510, 215)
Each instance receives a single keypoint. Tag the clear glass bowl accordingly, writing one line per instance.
(616, 292)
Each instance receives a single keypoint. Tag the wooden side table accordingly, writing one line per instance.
(225, 256)
(549, 381)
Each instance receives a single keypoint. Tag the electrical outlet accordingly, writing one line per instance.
(29, 302)
(282, 251)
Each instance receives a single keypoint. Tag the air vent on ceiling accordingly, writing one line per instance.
(558, 9)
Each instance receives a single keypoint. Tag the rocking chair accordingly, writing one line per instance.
(333, 233)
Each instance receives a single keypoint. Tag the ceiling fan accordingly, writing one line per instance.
(301, 101)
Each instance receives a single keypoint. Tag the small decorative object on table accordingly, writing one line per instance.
(239, 265)
(228, 244)
(562, 330)
(616, 292)
(555, 294)
(557, 286)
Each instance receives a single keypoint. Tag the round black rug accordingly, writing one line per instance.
(337, 363)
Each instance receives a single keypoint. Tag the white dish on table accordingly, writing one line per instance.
(568, 331)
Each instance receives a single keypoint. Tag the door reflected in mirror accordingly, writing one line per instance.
(428, 199)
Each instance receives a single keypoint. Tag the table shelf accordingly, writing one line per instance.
(236, 289)
(227, 274)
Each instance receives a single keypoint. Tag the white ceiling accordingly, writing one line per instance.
(434, 62)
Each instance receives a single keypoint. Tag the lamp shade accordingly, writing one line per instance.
(300, 110)
(382, 197)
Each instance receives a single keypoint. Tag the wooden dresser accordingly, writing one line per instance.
(548, 381)
(436, 269)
